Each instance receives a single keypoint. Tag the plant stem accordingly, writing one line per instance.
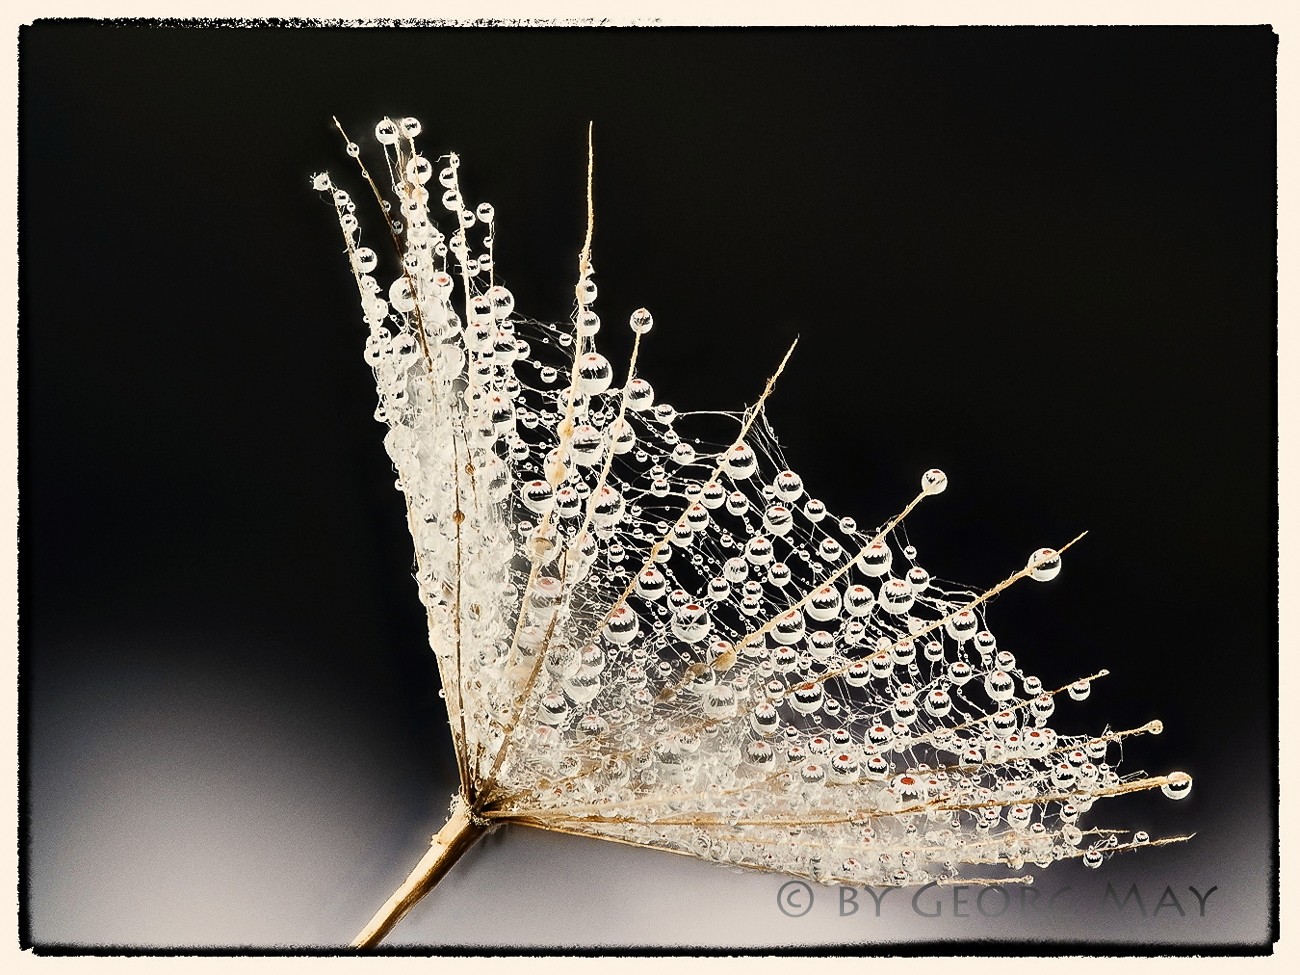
(449, 844)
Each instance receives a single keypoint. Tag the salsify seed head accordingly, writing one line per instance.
(647, 627)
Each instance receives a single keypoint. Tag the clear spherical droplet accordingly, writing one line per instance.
(641, 321)
(934, 481)
(419, 170)
(595, 374)
(1179, 785)
(740, 461)
(1046, 565)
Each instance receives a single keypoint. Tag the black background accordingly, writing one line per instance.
(1041, 259)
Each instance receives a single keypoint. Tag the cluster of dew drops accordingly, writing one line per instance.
(655, 614)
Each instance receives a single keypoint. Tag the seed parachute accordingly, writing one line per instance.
(650, 631)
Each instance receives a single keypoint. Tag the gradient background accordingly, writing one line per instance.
(1041, 259)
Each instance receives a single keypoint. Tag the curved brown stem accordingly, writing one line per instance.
(449, 845)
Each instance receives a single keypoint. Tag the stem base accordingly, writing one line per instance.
(449, 845)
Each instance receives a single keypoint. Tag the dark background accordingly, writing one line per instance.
(1041, 259)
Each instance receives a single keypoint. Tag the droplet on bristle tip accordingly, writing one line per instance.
(934, 481)
(641, 321)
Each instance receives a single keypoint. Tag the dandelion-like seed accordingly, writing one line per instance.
(664, 640)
